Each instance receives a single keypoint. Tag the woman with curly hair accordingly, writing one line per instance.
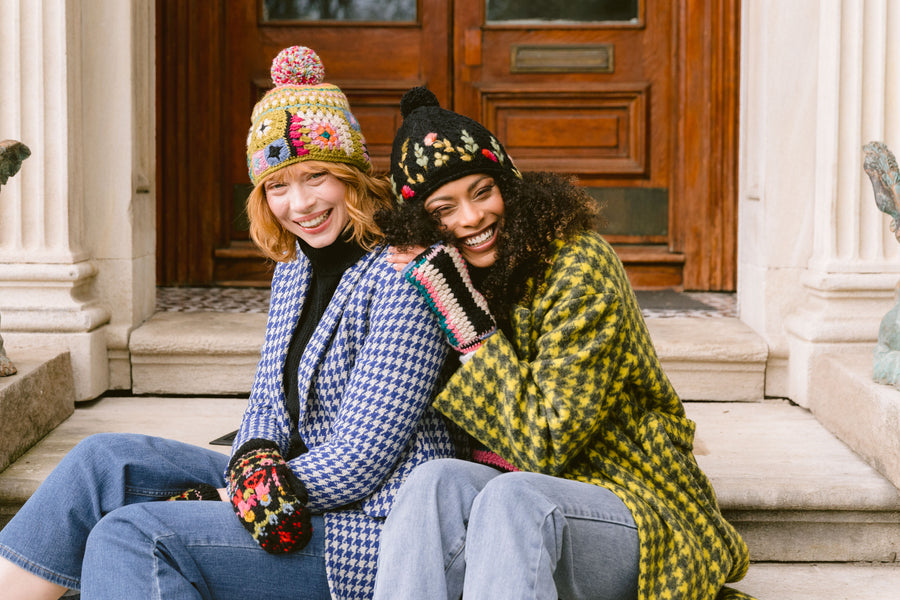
(338, 415)
(582, 482)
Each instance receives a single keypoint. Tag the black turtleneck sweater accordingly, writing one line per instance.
(328, 265)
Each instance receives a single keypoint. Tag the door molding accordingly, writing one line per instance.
(705, 161)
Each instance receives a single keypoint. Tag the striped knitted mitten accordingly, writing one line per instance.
(440, 274)
(268, 498)
(203, 491)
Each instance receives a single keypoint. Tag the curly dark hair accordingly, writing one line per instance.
(538, 209)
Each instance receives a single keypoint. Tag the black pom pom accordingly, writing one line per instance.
(417, 98)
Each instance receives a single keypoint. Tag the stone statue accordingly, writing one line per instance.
(881, 167)
(12, 153)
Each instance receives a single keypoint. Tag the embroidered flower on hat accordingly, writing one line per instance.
(262, 128)
(277, 152)
(324, 136)
(489, 154)
(498, 149)
(258, 163)
(421, 159)
(468, 141)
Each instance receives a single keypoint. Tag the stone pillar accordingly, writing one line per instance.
(77, 88)
(820, 262)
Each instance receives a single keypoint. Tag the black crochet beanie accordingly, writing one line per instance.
(435, 146)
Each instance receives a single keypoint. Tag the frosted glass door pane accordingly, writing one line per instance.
(338, 10)
(581, 11)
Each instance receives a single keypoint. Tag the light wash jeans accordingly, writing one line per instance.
(462, 529)
(93, 525)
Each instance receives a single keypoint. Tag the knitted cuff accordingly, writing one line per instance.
(202, 491)
(440, 274)
(260, 447)
(492, 459)
(252, 446)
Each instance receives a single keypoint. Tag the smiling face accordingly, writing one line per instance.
(471, 208)
(308, 202)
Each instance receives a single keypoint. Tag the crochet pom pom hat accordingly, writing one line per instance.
(302, 118)
(435, 146)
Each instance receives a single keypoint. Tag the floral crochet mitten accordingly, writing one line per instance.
(203, 491)
(440, 274)
(269, 500)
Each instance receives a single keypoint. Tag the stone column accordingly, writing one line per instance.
(76, 86)
(820, 263)
(853, 272)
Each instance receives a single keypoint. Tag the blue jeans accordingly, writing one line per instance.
(93, 525)
(460, 529)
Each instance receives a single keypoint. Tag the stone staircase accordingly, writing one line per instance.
(819, 520)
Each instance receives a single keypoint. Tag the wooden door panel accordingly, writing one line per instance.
(587, 132)
(190, 162)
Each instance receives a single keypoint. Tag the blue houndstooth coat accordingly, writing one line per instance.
(368, 375)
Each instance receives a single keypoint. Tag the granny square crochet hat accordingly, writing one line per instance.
(435, 146)
(302, 119)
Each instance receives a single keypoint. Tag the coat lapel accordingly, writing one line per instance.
(315, 353)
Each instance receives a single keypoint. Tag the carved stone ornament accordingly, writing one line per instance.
(12, 153)
(881, 167)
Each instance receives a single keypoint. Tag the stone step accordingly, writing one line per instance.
(202, 353)
(859, 411)
(711, 358)
(37, 398)
(826, 581)
(796, 493)
(192, 420)
(208, 353)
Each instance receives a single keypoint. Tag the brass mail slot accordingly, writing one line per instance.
(595, 58)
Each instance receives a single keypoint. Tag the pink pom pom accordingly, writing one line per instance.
(297, 65)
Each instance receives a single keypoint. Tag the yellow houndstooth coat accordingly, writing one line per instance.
(577, 391)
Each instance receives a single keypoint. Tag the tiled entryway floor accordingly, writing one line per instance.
(660, 304)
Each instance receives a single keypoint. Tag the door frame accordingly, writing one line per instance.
(703, 224)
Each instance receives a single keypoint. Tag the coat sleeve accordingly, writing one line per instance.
(538, 399)
(390, 385)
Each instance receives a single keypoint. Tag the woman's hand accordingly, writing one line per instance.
(269, 500)
(400, 257)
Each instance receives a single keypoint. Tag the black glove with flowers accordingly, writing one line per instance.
(440, 274)
(268, 498)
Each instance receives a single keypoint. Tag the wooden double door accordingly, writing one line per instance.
(637, 98)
